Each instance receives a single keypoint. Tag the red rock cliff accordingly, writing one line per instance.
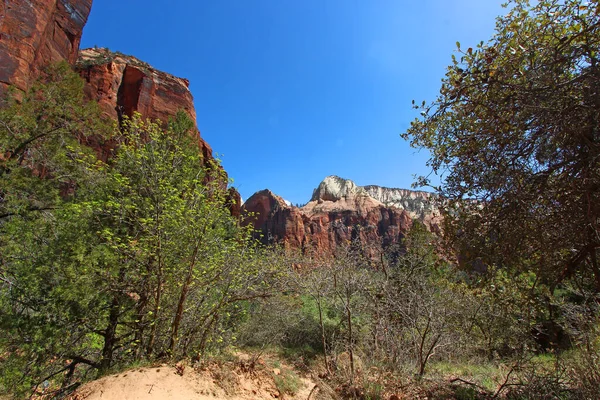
(339, 212)
(34, 33)
(123, 85)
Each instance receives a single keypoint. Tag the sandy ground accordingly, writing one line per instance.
(166, 382)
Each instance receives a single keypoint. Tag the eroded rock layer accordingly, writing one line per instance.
(35, 33)
(124, 84)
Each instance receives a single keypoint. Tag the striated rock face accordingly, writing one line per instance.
(418, 204)
(339, 212)
(123, 84)
(34, 33)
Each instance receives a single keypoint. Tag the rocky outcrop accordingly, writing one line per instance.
(334, 189)
(123, 85)
(234, 202)
(339, 212)
(35, 33)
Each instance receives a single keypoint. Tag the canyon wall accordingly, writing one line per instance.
(35, 33)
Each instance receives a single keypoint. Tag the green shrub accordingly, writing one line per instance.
(287, 382)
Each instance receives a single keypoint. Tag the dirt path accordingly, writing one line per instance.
(166, 382)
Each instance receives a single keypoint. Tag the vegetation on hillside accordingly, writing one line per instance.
(106, 265)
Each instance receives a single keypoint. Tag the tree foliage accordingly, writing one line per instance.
(515, 135)
(45, 300)
(40, 136)
(139, 259)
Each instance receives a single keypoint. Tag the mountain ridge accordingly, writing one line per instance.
(338, 213)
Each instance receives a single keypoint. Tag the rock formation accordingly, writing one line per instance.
(339, 212)
(418, 204)
(123, 85)
(34, 33)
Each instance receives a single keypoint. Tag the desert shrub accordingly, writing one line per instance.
(281, 321)
(583, 365)
(585, 373)
(287, 382)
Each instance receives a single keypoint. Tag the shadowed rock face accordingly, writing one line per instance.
(339, 212)
(123, 84)
(34, 33)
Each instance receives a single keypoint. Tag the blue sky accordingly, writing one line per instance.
(288, 92)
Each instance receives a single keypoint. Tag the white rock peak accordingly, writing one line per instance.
(335, 189)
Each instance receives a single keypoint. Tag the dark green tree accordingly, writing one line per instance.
(45, 300)
(40, 137)
(515, 137)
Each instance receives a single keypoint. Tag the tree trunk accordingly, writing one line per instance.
(154, 323)
(110, 333)
(421, 348)
(155, 311)
(595, 268)
(159, 282)
(110, 336)
(183, 295)
(323, 340)
(140, 315)
(350, 349)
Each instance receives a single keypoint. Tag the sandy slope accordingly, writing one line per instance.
(166, 383)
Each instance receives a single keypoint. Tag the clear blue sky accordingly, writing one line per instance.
(290, 91)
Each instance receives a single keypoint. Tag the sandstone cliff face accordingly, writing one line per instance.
(34, 33)
(338, 213)
(123, 85)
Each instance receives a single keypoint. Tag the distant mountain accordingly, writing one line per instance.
(341, 211)
(418, 204)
